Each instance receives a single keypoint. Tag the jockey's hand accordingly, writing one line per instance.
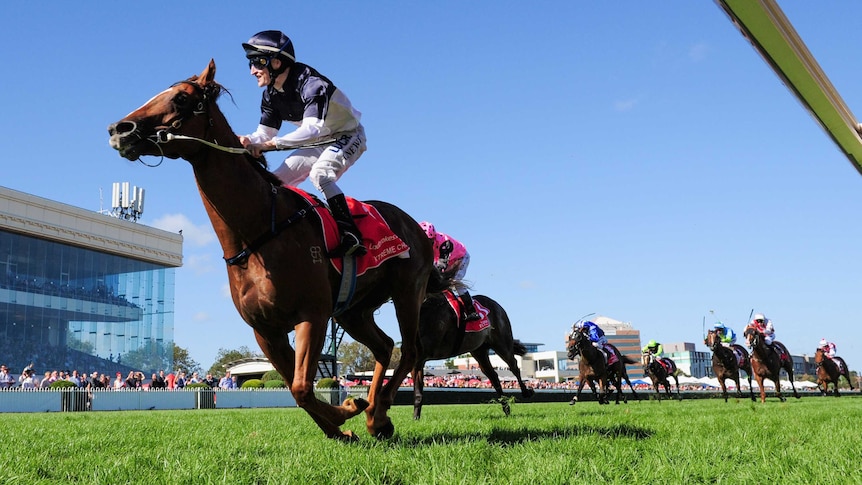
(446, 249)
(441, 265)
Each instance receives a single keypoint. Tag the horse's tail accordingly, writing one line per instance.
(518, 348)
(627, 360)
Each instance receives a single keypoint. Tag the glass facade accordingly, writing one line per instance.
(64, 307)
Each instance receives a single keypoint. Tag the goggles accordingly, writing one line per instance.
(758, 321)
(259, 62)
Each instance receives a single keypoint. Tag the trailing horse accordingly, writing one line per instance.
(727, 362)
(281, 279)
(442, 335)
(594, 370)
(767, 362)
(830, 371)
(658, 370)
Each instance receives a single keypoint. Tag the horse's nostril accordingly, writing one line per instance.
(122, 128)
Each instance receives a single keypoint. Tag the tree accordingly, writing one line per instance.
(150, 357)
(226, 356)
(356, 357)
(183, 360)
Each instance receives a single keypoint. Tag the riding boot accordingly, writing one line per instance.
(469, 310)
(351, 238)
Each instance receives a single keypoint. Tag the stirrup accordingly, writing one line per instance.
(349, 245)
(471, 316)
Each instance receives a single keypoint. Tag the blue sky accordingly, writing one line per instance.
(634, 159)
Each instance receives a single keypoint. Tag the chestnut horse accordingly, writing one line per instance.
(725, 364)
(658, 374)
(593, 369)
(828, 371)
(441, 337)
(766, 362)
(280, 277)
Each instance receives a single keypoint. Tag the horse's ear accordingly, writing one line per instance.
(208, 74)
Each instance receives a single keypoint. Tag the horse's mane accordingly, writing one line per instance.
(212, 91)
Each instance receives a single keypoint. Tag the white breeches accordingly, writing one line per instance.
(323, 165)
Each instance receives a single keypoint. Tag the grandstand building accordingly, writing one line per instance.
(83, 290)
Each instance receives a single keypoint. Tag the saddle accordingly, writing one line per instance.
(377, 236)
(739, 353)
(610, 355)
(472, 326)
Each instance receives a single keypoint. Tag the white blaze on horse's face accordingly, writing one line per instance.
(147, 103)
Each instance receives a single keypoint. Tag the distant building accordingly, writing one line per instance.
(82, 290)
(688, 359)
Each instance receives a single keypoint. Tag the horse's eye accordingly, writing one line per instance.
(181, 99)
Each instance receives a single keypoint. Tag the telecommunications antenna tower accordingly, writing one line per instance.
(127, 202)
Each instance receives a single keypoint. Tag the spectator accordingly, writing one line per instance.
(95, 381)
(131, 380)
(45, 383)
(74, 379)
(195, 378)
(227, 382)
(119, 383)
(28, 381)
(159, 381)
(181, 380)
(6, 379)
(211, 381)
(171, 380)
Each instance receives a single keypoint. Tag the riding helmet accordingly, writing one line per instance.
(759, 316)
(652, 343)
(270, 43)
(429, 229)
(823, 342)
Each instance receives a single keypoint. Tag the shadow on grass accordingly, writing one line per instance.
(508, 437)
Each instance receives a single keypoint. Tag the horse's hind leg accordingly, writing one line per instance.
(510, 360)
(481, 356)
(418, 387)
(362, 328)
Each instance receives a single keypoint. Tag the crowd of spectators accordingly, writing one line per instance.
(29, 379)
(98, 292)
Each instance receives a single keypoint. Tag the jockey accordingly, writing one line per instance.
(828, 348)
(594, 334)
(298, 94)
(653, 348)
(450, 255)
(764, 326)
(725, 334)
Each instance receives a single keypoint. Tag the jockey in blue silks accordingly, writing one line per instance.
(725, 333)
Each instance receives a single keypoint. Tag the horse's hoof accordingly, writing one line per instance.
(573, 402)
(506, 409)
(346, 436)
(385, 432)
(361, 404)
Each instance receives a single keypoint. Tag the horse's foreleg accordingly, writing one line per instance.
(418, 387)
(299, 375)
(578, 392)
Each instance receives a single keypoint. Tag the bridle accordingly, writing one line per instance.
(164, 134)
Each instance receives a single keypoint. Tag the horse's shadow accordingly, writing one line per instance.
(509, 437)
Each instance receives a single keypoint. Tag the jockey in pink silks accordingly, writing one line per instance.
(451, 255)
